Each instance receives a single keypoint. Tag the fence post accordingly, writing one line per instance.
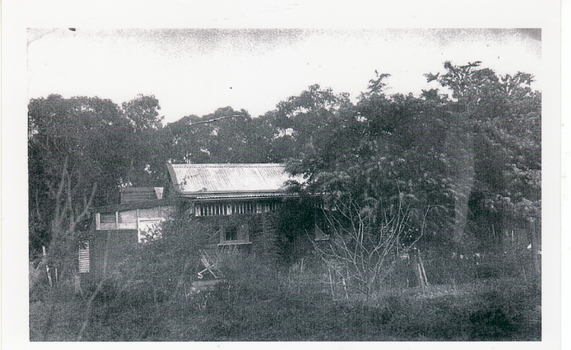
(534, 247)
(48, 272)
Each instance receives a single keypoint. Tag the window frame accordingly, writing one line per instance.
(242, 232)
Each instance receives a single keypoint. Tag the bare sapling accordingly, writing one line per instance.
(68, 214)
(365, 242)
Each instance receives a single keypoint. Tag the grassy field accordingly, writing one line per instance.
(488, 309)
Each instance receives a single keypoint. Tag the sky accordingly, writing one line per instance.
(196, 71)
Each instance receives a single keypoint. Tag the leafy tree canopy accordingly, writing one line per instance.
(474, 155)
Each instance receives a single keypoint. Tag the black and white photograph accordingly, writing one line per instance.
(289, 182)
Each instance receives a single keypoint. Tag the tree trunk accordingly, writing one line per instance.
(460, 145)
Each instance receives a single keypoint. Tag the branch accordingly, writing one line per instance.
(85, 208)
(58, 194)
(51, 189)
(69, 203)
(211, 120)
(38, 213)
(62, 181)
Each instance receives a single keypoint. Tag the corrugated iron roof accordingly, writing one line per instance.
(209, 180)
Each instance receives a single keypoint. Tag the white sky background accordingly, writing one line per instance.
(196, 71)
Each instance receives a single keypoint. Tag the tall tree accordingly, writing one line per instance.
(72, 145)
(382, 151)
(145, 154)
(497, 117)
(469, 86)
(478, 149)
(225, 136)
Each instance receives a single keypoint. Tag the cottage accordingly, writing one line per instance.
(229, 196)
(232, 198)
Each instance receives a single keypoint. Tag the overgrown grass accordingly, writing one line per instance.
(268, 306)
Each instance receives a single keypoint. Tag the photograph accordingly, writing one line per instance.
(227, 183)
(274, 185)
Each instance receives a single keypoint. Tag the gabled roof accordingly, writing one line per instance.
(229, 180)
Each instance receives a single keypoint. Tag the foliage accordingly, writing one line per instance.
(504, 116)
(166, 263)
(400, 170)
(225, 136)
(474, 157)
(79, 152)
(65, 171)
(144, 168)
(492, 310)
(78, 157)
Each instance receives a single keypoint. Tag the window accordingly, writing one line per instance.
(106, 221)
(108, 218)
(232, 233)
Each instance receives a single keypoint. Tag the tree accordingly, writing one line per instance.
(303, 120)
(145, 154)
(232, 137)
(80, 152)
(497, 142)
(225, 136)
(187, 140)
(470, 158)
(385, 150)
(365, 248)
(142, 113)
(469, 86)
(66, 168)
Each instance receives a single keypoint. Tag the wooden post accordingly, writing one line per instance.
(345, 288)
(534, 250)
(422, 268)
(77, 285)
(420, 277)
(97, 221)
(331, 283)
(47, 267)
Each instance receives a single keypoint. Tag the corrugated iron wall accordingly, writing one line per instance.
(139, 194)
(119, 242)
(84, 266)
